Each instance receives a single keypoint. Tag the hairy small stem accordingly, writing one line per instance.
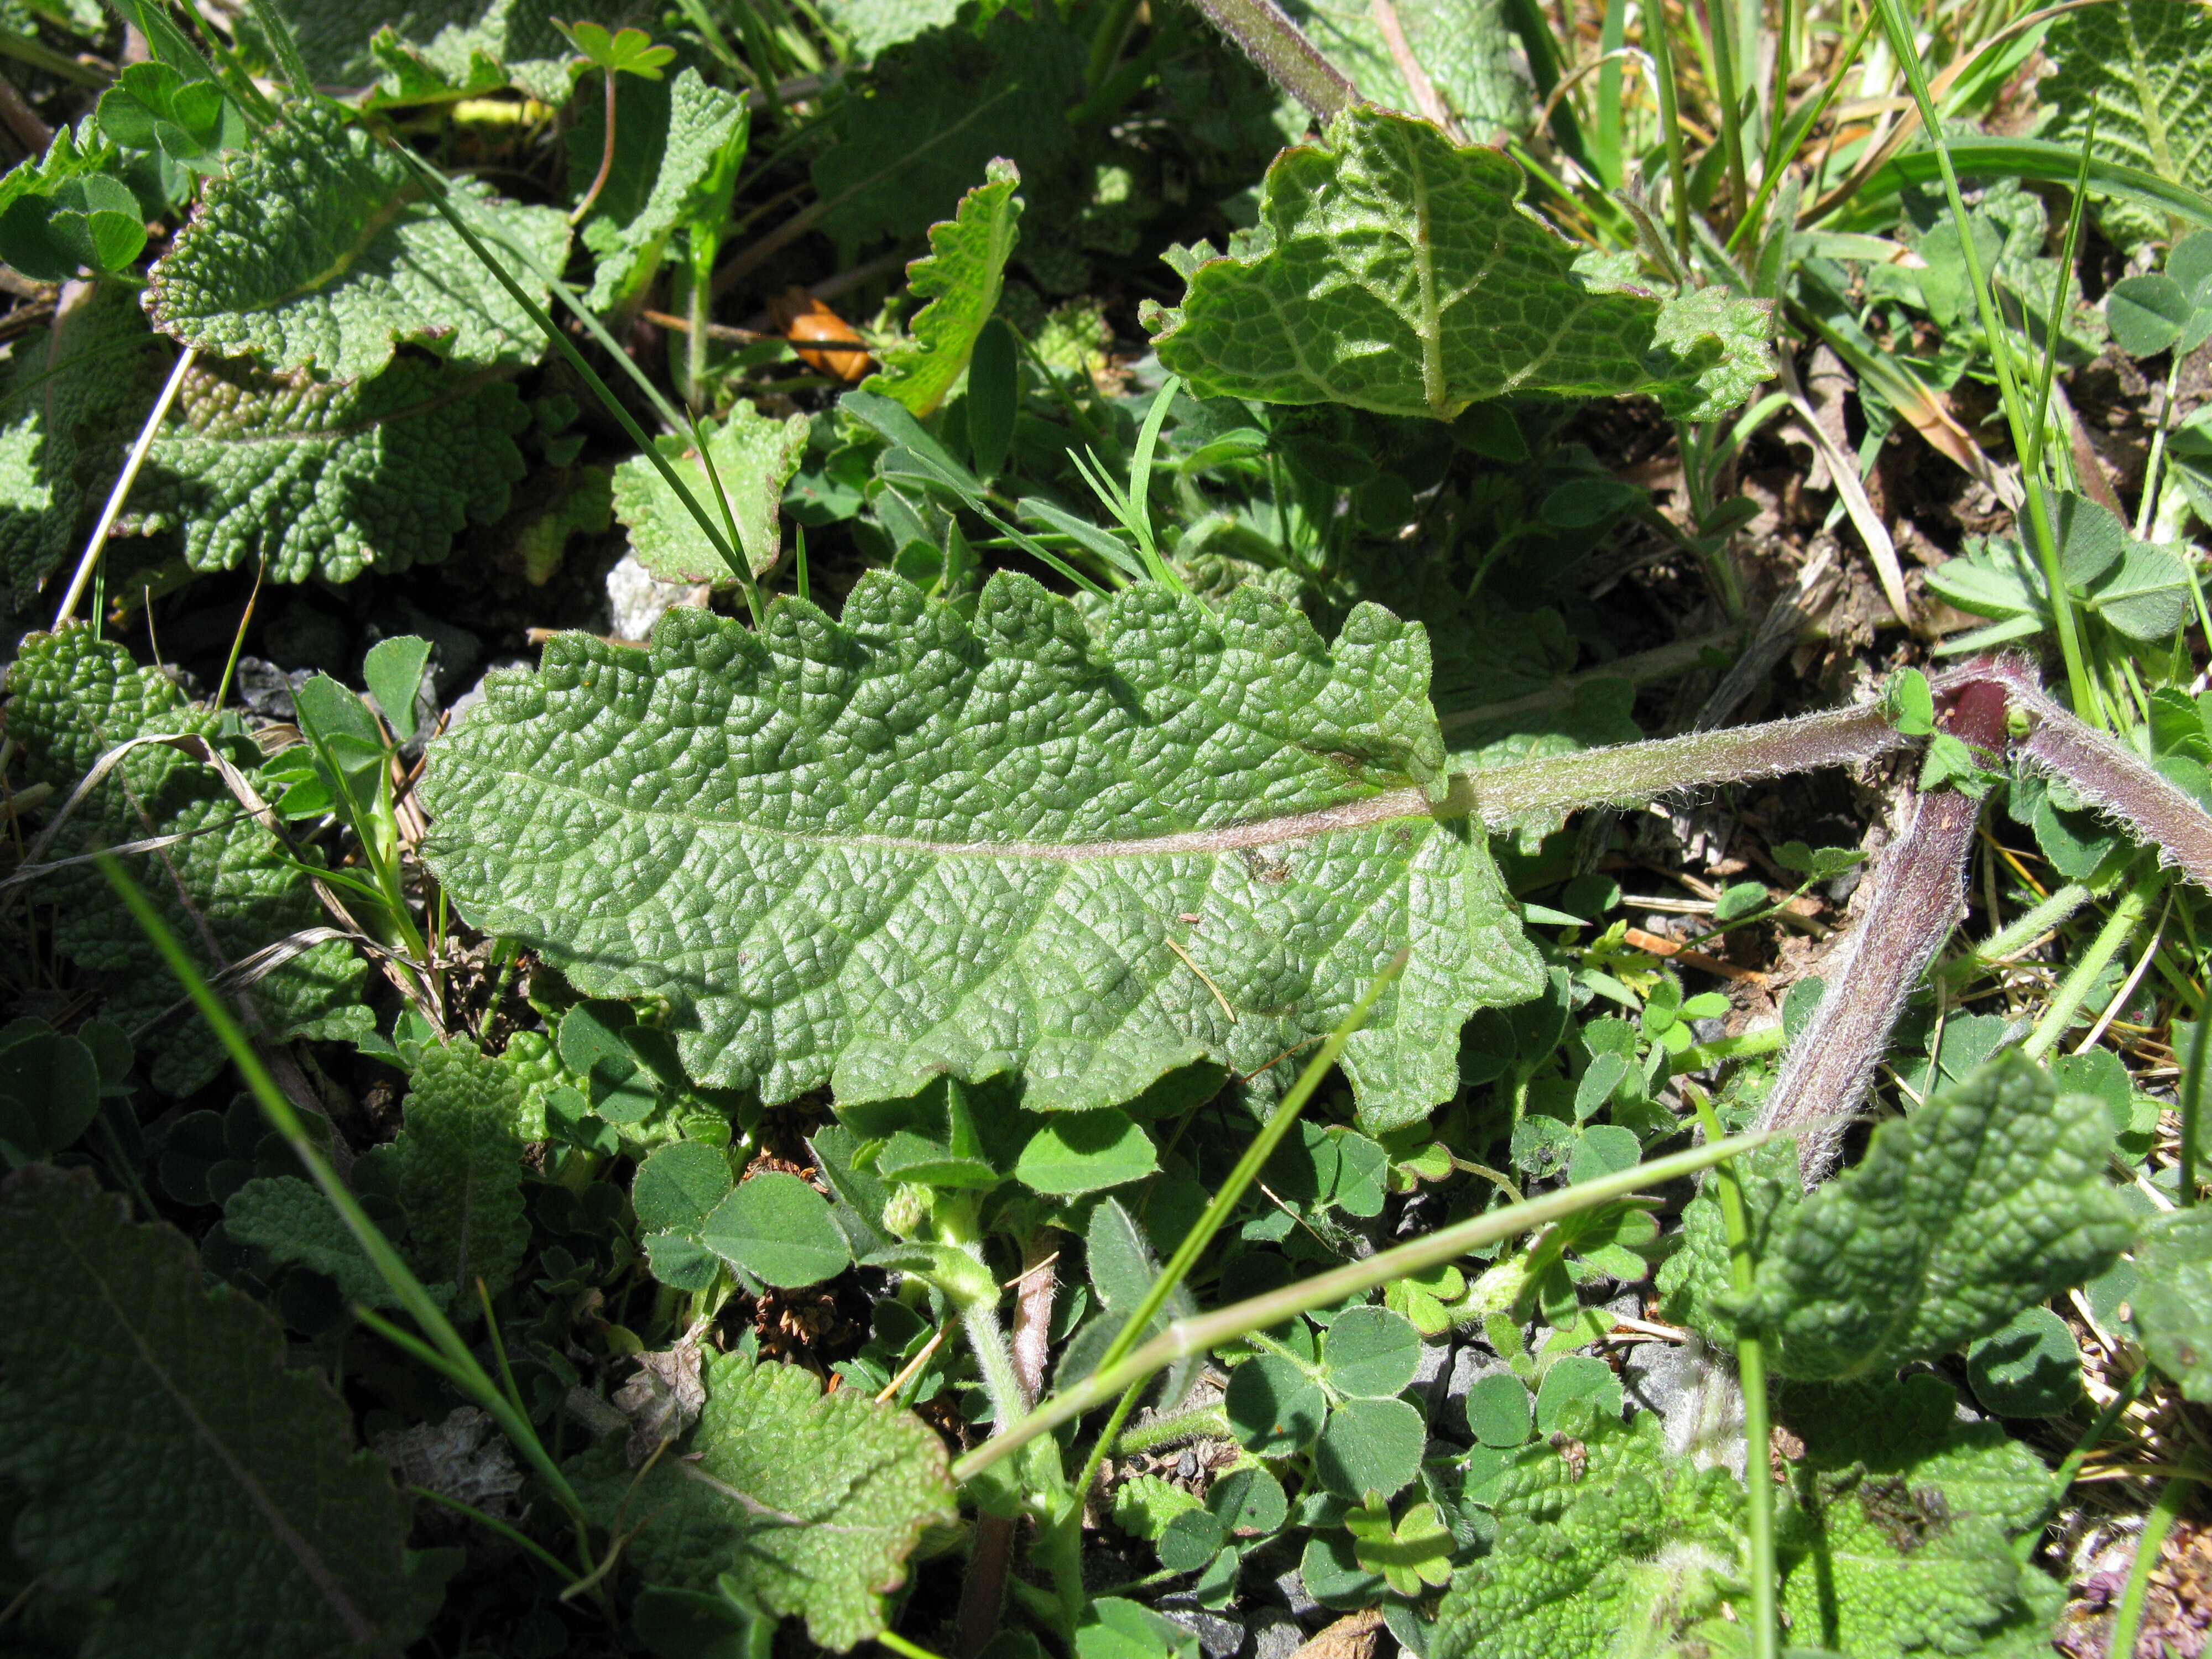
(1205, 1422)
(1187, 1337)
(2127, 916)
(2018, 934)
(990, 1556)
(987, 1338)
(606, 160)
(1918, 888)
(1626, 775)
(1280, 48)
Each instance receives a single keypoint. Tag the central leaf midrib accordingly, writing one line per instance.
(372, 228)
(1364, 812)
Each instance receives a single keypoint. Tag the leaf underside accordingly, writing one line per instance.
(1395, 271)
(2142, 69)
(868, 852)
(754, 456)
(961, 280)
(667, 136)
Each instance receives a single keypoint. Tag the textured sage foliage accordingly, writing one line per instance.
(867, 851)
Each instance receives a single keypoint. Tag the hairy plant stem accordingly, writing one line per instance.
(1280, 48)
(1201, 1422)
(983, 1591)
(1917, 889)
(2017, 935)
(2074, 990)
(1504, 796)
(1188, 1337)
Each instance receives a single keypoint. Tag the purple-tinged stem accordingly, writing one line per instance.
(1280, 48)
(2117, 782)
(1631, 774)
(1918, 889)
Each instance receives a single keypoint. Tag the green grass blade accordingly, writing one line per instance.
(1140, 483)
(434, 190)
(2042, 160)
(2082, 689)
(1248, 1168)
(458, 1361)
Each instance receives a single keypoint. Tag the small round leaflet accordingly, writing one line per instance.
(1371, 1353)
(1370, 1445)
(778, 1229)
(1273, 1406)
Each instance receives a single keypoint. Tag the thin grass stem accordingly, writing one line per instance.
(451, 1351)
(2086, 704)
(1187, 1337)
(1720, 27)
(2192, 1112)
(2128, 1620)
(121, 490)
(1661, 46)
(1750, 1373)
(435, 190)
(2060, 289)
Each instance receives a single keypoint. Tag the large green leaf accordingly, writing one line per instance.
(319, 251)
(917, 128)
(459, 1172)
(961, 280)
(73, 697)
(2171, 1302)
(867, 851)
(2142, 71)
(669, 136)
(203, 1495)
(329, 480)
(67, 391)
(809, 1502)
(1988, 1198)
(1394, 271)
